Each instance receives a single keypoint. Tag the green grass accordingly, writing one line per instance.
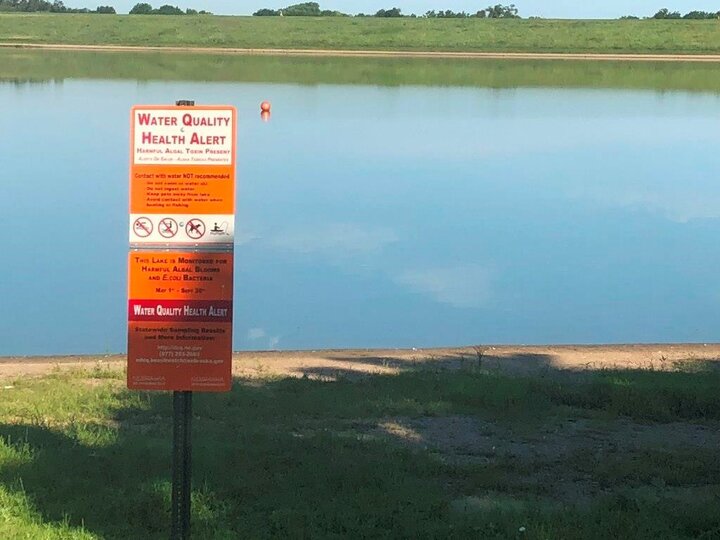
(81, 457)
(407, 34)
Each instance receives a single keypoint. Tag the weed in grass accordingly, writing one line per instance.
(480, 353)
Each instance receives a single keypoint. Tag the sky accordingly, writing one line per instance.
(571, 9)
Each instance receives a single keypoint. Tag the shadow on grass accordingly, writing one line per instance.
(276, 458)
(254, 475)
(353, 367)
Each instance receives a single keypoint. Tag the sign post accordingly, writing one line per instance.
(181, 466)
(180, 265)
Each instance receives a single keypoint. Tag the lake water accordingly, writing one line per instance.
(386, 203)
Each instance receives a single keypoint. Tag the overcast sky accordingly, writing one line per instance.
(580, 9)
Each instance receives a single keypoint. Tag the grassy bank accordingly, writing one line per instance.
(466, 35)
(21, 66)
(426, 453)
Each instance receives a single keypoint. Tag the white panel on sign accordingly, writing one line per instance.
(183, 137)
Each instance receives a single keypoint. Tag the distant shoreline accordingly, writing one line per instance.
(630, 57)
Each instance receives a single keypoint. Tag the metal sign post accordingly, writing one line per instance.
(182, 453)
(181, 465)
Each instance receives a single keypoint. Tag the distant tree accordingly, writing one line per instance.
(106, 10)
(629, 18)
(141, 9)
(56, 7)
(394, 12)
(665, 13)
(167, 9)
(306, 9)
(499, 11)
(449, 14)
(700, 15)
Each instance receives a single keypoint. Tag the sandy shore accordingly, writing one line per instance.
(330, 364)
(378, 54)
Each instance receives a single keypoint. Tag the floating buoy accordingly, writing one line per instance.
(265, 106)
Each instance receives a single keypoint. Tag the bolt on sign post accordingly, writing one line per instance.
(180, 265)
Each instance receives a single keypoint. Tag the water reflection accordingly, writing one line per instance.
(383, 216)
(24, 64)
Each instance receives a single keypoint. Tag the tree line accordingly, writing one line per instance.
(144, 8)
(305, 9)
(665, 13)
(497, 11)
(32, 6)
(312, 9)
(57, 6)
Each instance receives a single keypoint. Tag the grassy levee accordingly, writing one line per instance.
(431, 453)
(20, 66)
(406, 34)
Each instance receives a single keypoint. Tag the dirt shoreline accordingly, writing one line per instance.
(335, 363)
(712, 58)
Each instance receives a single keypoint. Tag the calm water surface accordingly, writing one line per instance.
(382, 216)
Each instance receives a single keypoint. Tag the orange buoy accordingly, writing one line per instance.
(265, 116)
(265, 106)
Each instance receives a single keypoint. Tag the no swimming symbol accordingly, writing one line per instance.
(143, 227)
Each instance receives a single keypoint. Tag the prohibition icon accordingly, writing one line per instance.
(195, 229)
(143, 227)
(168, 227)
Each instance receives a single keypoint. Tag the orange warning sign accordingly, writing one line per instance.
(180, 315)
(182, 173)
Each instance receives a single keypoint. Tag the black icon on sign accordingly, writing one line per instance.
(195, 229)
(219, 229)
(143, 227)
(168, 227)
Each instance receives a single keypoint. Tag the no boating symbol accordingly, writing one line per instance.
(143, 227)
(168, 227)
(195, 229)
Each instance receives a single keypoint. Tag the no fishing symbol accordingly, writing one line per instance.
(195, 229)
(143, 227)
(168, 227)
